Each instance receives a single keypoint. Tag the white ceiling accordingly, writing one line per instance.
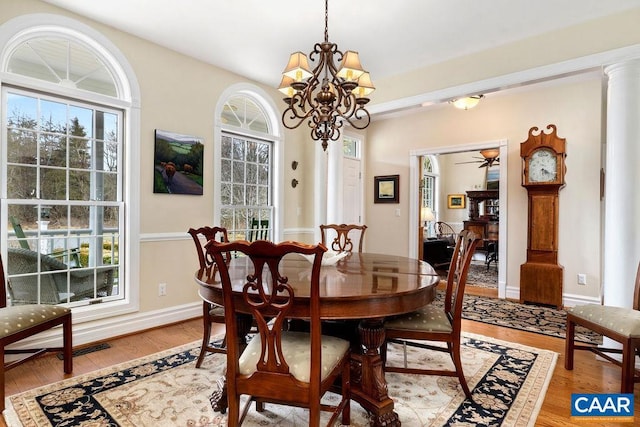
(254, 38)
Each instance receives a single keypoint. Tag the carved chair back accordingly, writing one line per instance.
(343, 242)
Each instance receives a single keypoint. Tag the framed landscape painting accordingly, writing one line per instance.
(456, 201)
(177, 164)
(386, 189)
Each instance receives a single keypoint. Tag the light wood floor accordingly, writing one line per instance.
(588, 376)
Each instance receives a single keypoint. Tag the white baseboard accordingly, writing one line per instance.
(104, 329)
(568, 300)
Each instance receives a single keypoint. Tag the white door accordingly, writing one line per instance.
(352, 191)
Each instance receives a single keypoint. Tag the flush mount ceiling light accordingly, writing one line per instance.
(326, 96)
(467, 103)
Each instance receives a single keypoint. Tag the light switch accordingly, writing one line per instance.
(398, 212)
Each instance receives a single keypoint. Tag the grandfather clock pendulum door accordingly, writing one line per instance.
(543, 171)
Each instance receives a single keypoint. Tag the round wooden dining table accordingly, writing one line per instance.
(365, 287)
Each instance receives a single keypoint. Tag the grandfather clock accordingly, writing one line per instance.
(543, 171)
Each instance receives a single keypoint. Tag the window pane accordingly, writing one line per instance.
(225, 196)
(225, 149)
(252, 177)
(81, 121)
(22, 146)
(252, 196)
(238, 195)
(22, 111)
(53, 116)
(21, 182)
(238, 149)
(238, 172)
(53, 184)
(53, 149)
(80, 153)
(225, 172)
(79, 185)
(109, 191)
(252, 155)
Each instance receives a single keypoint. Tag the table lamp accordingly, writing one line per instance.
(426, 216)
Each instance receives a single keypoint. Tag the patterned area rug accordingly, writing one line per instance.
(479, 276)
(508, 380)
(526, 317)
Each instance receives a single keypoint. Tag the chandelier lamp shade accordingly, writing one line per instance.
(326, 95)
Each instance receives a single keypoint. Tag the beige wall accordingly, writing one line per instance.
(180, 94)
(575, 108)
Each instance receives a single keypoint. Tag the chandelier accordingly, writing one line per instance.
(326, 96)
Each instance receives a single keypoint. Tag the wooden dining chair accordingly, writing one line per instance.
(437, 324)
(279, 366)
(342, 242)
(211, 313)
(23, 321)
(617, 323)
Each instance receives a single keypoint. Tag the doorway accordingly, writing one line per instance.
(466, 151)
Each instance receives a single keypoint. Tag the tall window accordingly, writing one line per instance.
(62, 199)
(246, 188)
(246, 177)
(429, 184)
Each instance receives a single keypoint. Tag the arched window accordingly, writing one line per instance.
(66, 94)
(249, 150)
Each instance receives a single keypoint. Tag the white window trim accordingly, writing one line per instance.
(261, 98)
(12, 34)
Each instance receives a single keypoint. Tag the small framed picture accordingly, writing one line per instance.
(456, 201)
(386, 189)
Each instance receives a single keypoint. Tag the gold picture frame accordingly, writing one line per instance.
(456, 201)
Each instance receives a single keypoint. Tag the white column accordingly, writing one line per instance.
(621, 246)
(319, 188)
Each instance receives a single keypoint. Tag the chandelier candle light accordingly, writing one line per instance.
(326, 96)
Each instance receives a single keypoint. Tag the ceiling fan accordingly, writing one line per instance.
(488, 159)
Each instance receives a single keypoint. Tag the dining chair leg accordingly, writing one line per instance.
(2, 372)
(569, 345)
(67, 345)
(346, 385)
(206, 337)
(628, 367)
(457, 362)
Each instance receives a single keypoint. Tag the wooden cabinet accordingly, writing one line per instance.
(483, 215)
(486, 230)
(483, 205)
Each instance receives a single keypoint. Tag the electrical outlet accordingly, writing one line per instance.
(582, 279)
(162, 289)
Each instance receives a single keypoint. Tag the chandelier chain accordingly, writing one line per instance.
(326, 21)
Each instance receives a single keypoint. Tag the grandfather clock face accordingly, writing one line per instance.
(543, 166)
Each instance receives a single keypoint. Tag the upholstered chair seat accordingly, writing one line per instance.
(23, 317)
(428, 319)
(295, 348)
(624, 321)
